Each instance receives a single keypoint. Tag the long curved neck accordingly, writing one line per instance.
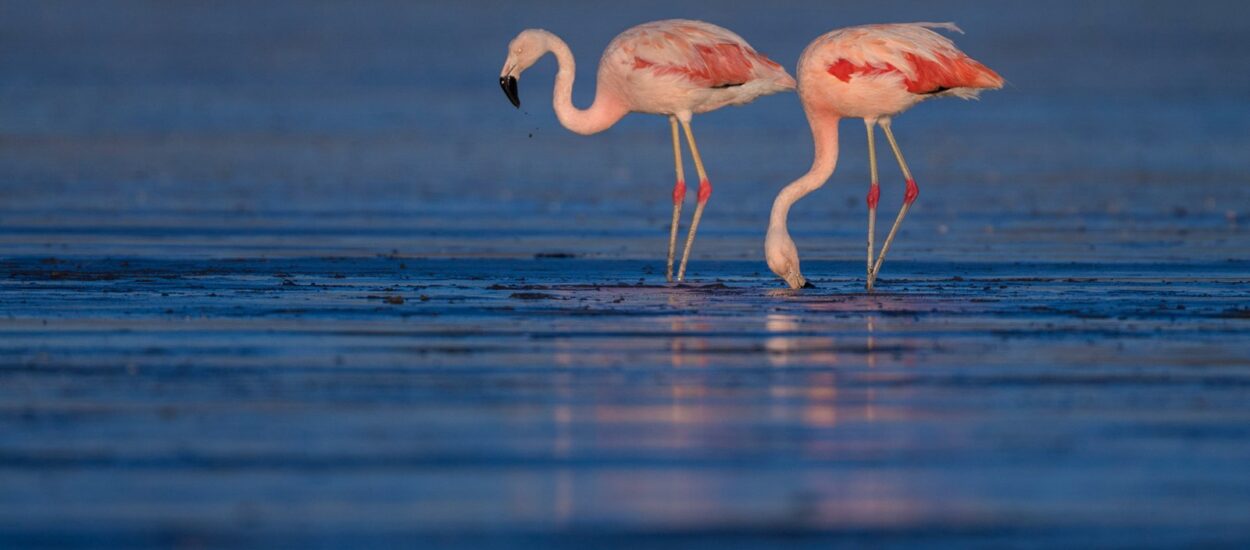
(601, 115)
(825, 136)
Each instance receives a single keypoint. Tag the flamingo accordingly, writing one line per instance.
(873, 72)
(674, 67)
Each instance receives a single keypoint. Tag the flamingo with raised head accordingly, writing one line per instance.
(873, 72)
(673, 67)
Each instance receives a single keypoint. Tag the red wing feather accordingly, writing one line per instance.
(930, 75)
(946, 72)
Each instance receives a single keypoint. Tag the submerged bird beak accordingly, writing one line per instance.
(794, 280)
(508, 83)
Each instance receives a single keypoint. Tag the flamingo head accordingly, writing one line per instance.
(783, 258)
(523, 52)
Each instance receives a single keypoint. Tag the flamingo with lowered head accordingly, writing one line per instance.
(873, 72)
(673, 67)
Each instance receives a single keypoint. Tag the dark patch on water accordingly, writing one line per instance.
(534, 296)
(1236, 313)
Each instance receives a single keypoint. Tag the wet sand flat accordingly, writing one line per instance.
(298, 274)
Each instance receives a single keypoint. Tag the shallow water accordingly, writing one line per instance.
(241, 400)
(298, 273)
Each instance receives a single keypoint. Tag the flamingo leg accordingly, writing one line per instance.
(874, 195)
(908, 198)
(705, 191)
(679, 195)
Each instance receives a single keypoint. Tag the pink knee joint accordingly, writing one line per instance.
(705, 190)
(912, 192)
(874, 195)
(679, 192)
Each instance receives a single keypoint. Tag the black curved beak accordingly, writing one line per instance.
(808, 284)
(508, 83)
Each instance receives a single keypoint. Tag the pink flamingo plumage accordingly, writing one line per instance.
(873, 72)
(675, 68)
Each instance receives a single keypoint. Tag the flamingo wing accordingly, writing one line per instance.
(928, 62)
(701, 53)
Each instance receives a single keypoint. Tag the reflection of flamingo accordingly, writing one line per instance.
(675, 68)
(872, 72)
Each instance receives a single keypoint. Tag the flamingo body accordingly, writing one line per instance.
(883, 70)
(873, 72)
(680, 66)
(675, 67)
